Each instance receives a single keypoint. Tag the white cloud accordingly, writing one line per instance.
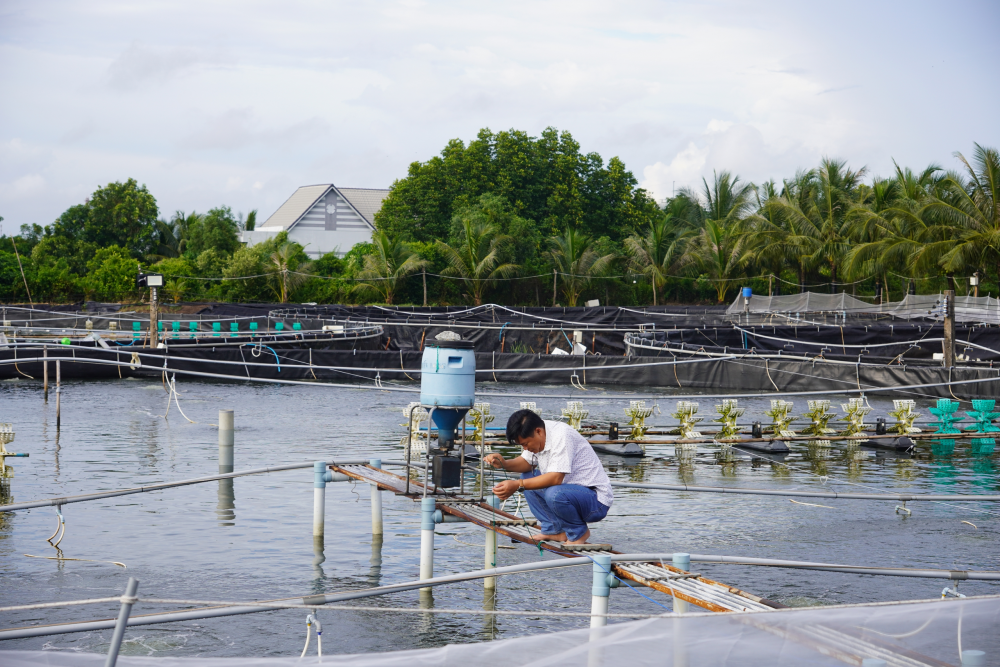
(214, 106)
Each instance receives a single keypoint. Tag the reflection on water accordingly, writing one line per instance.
(319, 557)
(226, 507)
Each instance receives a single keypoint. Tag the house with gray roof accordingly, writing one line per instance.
(323, 219)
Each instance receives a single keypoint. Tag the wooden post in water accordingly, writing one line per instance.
(949, 328)
(45, 373)
(58, 395)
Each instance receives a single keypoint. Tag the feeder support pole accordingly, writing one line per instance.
(490, 560)
(427, 507)
(601, 590)
(682, 562)
(322, 476)
(377, 501)
(949, 328)
(45, 372)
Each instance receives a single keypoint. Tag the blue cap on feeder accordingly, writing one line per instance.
(448, 382)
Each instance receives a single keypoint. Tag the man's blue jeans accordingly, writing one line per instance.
(564, 508)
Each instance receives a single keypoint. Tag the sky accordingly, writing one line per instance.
(239, 103)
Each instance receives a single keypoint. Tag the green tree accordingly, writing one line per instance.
(122, 214)
(111, 274)
(575, 257)
(969, 204)
(389, 263)
(478, 256)
(655, 252)
(217, 230)
(290, 267)
(546, 180)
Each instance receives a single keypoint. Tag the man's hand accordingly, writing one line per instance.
(495, 460)
(504, 490)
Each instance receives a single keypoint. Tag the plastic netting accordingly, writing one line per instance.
(967, 308)
(907, 634)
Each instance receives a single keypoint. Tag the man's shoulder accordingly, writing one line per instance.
(561, 432)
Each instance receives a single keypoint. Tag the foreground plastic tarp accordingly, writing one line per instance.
(928, 633)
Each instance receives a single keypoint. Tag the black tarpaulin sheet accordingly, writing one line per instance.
(741, 375)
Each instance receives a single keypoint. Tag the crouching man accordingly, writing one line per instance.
(561, 477)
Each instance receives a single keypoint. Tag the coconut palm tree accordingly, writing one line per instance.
(390, 262)
(969, 204)
(479, 256)
(573, 255)
(289, 273)
(655, 252)
(890, 229)
(720, 249)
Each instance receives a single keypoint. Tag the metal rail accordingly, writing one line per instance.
(833, 495)
(65, 500)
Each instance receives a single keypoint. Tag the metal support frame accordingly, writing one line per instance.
(116, 639)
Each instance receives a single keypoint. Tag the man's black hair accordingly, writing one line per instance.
(522, 424)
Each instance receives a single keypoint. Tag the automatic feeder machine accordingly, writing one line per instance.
(447, 392)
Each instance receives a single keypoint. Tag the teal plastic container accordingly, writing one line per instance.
(448, 380)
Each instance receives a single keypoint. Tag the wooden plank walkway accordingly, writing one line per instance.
(849, 645)
(667, 579)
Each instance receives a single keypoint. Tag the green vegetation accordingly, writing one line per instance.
(521, 220)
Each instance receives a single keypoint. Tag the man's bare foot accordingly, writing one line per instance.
(558, 537)
(582, 540)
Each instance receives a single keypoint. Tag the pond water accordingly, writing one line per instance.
(251, 539)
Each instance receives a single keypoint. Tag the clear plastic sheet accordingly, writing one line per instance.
(910, 634)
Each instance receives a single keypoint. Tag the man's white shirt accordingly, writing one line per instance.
(568, 452)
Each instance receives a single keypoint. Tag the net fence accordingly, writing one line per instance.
(906, 634)
(983, 309)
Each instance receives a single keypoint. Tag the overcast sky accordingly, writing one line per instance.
(238, 103)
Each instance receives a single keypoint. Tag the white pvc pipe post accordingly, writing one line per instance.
(376, 502)
(490, 557)
(427, 507)
(973, 658)
(226, 440)
(682, 562)
(601, 590)
(319, 499)
(45, 372)
(58, 396)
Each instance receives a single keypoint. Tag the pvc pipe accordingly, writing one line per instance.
(973, 658)
(376, 502)
(45, 373)
(897, 497)
(58, 396)
(954, 575)
(320, 477)
(601, 590)
(426, 540)
(226, 440)
(122, 622)
(48, 502)
(490, 559)
(682, 561)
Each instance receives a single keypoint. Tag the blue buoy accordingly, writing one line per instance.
(448, 382)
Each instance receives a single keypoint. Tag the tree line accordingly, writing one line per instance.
(524, 220)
